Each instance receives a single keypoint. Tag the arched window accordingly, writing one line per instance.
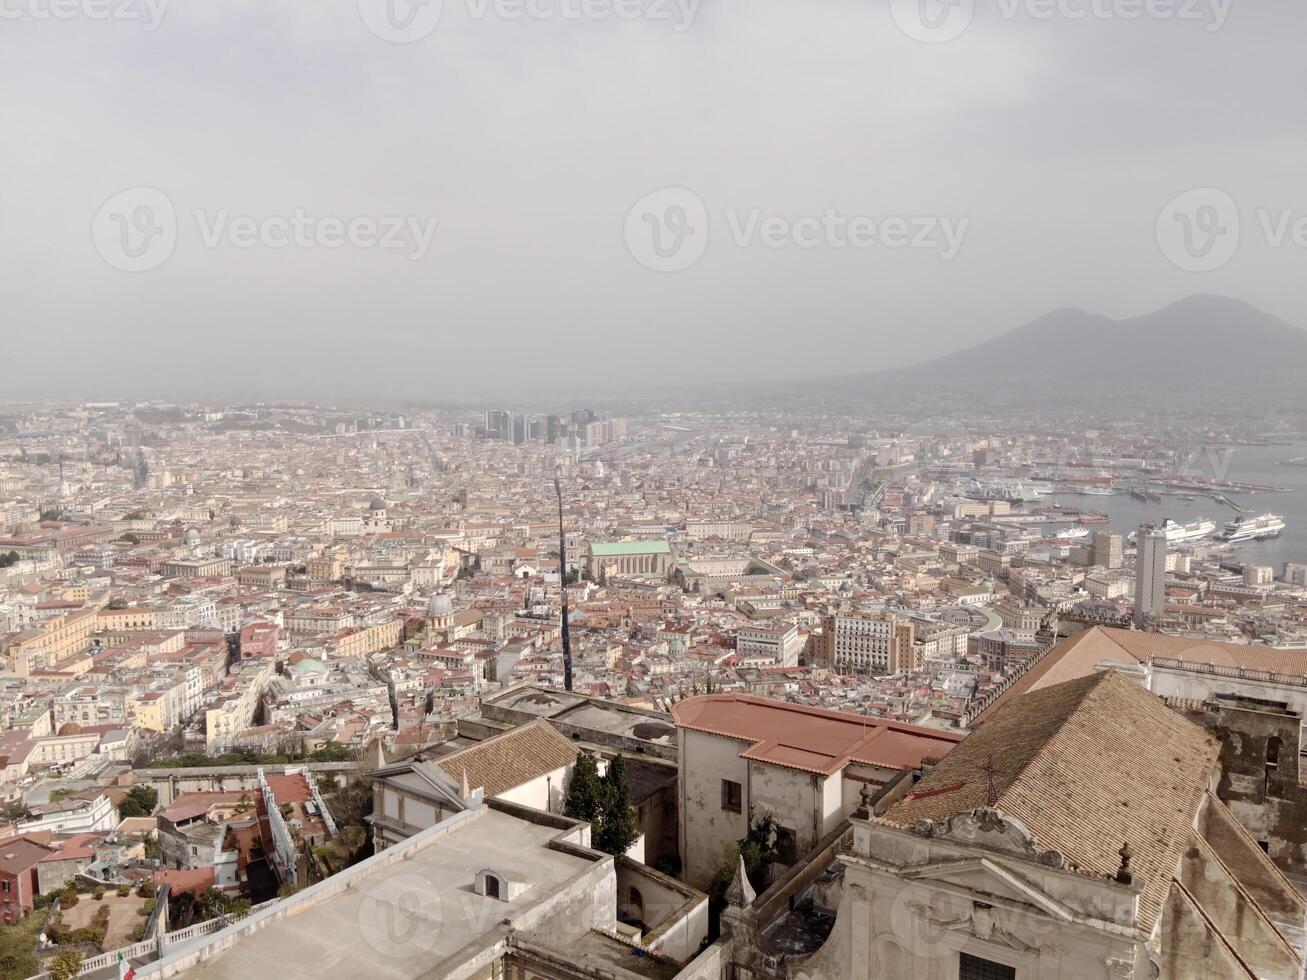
(491, 884)
(635, 904)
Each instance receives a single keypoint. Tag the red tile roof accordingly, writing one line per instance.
(811, 739)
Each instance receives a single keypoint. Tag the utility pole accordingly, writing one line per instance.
(562, 578)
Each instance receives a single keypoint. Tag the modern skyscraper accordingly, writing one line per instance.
(1108, 549)
(1150, 574)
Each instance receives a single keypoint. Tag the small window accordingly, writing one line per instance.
(8, 885)
(1273, 752)
(975, 968)
(732, 796)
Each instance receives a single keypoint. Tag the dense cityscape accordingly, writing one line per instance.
(232, 633)
(653, 490)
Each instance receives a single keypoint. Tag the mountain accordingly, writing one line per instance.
(1202, 349)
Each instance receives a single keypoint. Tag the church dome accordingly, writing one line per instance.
(440, 605)
(377, 504)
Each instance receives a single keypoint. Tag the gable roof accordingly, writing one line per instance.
(1086, 766)
(511, 759)
(1077, 656)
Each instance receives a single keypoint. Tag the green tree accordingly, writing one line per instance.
(14, 812)
(66, 965)
(758, 848)
(18, 948)
(139, 802)
(585, 793)
(617, 830)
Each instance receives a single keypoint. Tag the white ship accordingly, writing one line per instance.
(1252, 528)
(1177, 533)
(1097, 491)
(1068, 533)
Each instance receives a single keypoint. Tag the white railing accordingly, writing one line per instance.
(151, 947)
(93, 963)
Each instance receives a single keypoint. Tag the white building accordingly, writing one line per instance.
(743, 758)
(777, 646)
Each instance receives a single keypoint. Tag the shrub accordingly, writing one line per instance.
(66, 965)
(98, 894)
(124, 891)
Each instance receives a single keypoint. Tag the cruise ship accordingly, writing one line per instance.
(1177, 533)
(1252, 528)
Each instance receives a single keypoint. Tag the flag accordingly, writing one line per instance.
(125, 970)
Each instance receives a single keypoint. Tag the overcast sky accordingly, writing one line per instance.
(1030, 160)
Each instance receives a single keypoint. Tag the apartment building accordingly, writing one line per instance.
(880, 644)
(778, 645)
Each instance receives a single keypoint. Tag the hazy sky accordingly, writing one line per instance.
(1030, 158)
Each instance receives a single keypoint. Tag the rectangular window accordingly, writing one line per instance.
(732, 796)
(8, 885)
(975, 968)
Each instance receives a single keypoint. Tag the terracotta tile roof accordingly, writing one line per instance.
(289, 787)
(1077, 655)
(1086, 765)
(18, 854)
(811, 739)
(509, 760)
(191, 805)
(194, 881)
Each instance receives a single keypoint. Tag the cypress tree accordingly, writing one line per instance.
(585, 792)
(616, 831)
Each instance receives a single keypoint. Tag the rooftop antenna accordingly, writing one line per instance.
(562, 578)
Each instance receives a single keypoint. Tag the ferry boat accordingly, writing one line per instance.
(1069, 533)
(1177, 533)
(1252, 528)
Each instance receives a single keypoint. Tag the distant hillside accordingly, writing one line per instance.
(1207, 348)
